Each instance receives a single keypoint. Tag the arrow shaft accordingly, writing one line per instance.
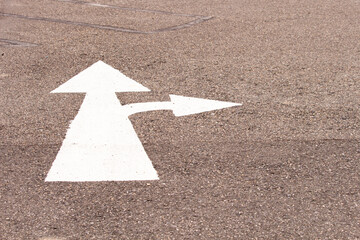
(146, 106)
(101, 145)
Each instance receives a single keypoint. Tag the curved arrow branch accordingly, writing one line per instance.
(134, 108)
(180, 105)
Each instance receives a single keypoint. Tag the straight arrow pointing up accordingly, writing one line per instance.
(100, 78)
(101, 143)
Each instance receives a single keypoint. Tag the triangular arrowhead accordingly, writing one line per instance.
(188, 105)
(100, 78)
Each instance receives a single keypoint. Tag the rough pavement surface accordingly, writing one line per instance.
(284, 165)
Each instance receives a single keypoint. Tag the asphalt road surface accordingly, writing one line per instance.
(284, 165)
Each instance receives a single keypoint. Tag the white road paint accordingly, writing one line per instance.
(101, 143)
(100, 78)
(189, 105)
(180, 105)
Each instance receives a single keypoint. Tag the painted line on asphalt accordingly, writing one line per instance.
(13, 43)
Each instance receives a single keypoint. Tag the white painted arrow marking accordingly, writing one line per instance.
(100, 78)
(101, 143)
(180, 105)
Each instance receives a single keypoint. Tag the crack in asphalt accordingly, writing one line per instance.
(199, 19)
(8, 42)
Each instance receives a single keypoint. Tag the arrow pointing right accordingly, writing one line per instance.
(190, 105)
(180, 105)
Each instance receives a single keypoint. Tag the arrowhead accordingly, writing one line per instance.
(189, 105)
(99, 78)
